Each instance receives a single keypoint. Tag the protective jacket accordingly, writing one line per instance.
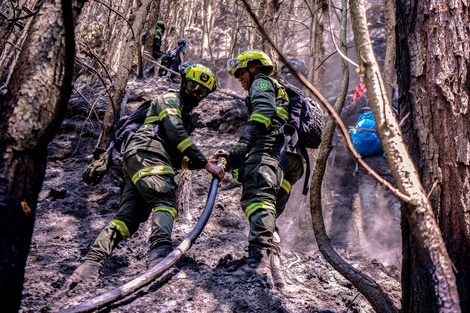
(150, 158)
(169, 123)
(266, 178)
(157, 43)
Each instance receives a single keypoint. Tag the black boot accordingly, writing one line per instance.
(157, 255)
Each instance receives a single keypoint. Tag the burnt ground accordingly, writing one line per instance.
(70, 215)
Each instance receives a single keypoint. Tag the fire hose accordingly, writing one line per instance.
(160, 268)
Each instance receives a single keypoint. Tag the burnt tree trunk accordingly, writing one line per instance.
(30, 115)
(433, 66)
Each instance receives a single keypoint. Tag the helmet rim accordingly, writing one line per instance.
(240, 62)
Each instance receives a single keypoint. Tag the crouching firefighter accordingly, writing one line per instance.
(264, 161)
(151, 156)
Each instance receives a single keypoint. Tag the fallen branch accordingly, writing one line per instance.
(146, 56)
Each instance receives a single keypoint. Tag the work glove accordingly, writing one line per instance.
(236, 158)
(94, 172)
(237, 154)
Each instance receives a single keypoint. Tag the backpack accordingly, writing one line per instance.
(306, 116)
(364, 135)
(129, 124)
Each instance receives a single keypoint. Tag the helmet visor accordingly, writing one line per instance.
(196, 90)
(232, 66)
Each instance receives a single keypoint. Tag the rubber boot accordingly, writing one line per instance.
(86, 272)
(257, 263)
(157, 255)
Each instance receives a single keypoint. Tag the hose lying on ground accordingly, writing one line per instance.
(155, 272)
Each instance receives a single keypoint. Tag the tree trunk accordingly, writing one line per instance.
(317, 49)
(12, 36)
(390, 53)
(129, 49)
(30, 116)
(433, 66)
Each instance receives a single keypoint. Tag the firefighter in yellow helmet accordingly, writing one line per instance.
(151, 156)
(263, 161)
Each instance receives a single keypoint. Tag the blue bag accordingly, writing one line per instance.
(364, 135)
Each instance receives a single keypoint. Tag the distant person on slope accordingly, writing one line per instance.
(264, 162)
(174, 59)
(150, 158)
(157, 39)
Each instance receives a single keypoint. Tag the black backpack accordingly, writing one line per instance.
(306, 116)
(129, 124)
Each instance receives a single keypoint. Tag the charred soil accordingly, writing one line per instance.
(71, 214)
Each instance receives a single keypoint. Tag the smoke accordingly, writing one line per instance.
(345, 221)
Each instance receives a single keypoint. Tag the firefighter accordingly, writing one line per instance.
(150, 159)
(157, 39)
(263, 161)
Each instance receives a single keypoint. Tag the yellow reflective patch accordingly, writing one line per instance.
(122, 228)
(173, 212)
(261, 119)
(185, 144)
(151, 119)
(152, 170)
(258, 205)
(184, 163)
(282, 112)
(286, 186)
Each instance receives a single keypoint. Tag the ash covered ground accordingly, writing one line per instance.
(71, 214)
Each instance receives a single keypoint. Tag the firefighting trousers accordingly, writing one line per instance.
(266, 190)
(149, 188)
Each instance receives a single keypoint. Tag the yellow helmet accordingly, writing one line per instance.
(233, 65)
(200, 74)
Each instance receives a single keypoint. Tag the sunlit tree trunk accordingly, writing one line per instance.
(433, 66)
(129, 49)
(317, 49)
(206, 53)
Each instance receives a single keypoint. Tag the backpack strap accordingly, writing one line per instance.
(304, 152)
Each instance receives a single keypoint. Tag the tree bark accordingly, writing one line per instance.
(129, 50)
(433, 65)
(390, 53)
(30, 115)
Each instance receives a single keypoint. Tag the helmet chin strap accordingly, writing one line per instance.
(252, 74)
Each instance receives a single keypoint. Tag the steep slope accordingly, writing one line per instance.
(71, 214)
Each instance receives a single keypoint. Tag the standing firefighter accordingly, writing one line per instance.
(157, 39)
(263, 161)
(150, 158)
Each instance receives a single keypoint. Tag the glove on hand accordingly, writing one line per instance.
(237, 154)
(94, 172)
